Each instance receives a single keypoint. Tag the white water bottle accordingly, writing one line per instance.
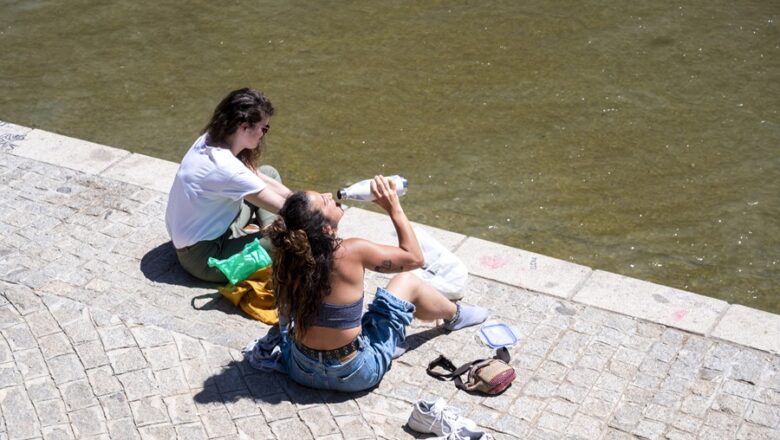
(362, 190)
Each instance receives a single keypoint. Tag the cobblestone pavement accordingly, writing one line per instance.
(103, 336)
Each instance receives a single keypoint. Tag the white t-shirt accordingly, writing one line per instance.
(207, 194)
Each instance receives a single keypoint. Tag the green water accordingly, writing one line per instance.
(634, 137)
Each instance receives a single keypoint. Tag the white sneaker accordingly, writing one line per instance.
(440, 419)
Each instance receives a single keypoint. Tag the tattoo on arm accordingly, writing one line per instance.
(386, 267)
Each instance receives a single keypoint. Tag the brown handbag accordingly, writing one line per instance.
(489, 376)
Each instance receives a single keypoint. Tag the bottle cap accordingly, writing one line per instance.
(341, 193)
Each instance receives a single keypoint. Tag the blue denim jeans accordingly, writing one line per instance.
(384, 327)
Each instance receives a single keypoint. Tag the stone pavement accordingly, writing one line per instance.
(104, 336)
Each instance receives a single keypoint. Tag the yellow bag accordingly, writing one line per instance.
(255, 296)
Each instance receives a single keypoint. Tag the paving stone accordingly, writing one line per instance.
(87, 421)
(78, 395)
(124, 360)
(319, 421)
(585, 427)
(674, 434)
(228, 379)
(41, 389)
(552, 422)
(51, 412)
(752, 432)
(540, 388)
(15, 405)
(216, 355)
(23, 299)
(66, 368)
(9, 375)
(156, 432)
(218, 423)
(19, 337)
(116, 337)
(149, 411)
(686, 423)
(626, 416)
(276, 407)
(664, 414)
(207, 400)
(81, 329)
(354, 425)
(42, 323)
(5, 352)
(763, 415)
(181, 409)
(9, 316)
(123, 429)
(115, 406)
(595, 407)
(193, 431)
(649, 429)
(150, 336)
(197, 373)
(171, 381)
(103, 381)
(92, 354)
(63, 310)
(138, 384)
(261, 385)
(30, 364)
(512, 426)
(163, 357)
(57, 432)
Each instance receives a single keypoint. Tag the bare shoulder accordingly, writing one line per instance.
(347, 275)
(353, 246)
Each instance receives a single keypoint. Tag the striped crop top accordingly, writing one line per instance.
(340, 316)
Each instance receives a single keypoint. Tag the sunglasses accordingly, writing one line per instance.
(266, 128)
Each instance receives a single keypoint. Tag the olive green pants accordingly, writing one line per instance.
(194, 259)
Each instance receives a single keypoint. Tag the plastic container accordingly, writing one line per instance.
(497, 335)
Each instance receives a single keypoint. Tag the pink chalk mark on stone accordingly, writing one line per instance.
(679, 315)
(494, 261)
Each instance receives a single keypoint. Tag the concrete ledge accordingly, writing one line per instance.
(11, 135)
(522, 268)
(67, 152)
(751, 327)
(146, 171)
(653, 302)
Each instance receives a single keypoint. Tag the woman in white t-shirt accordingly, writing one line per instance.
(220, 198)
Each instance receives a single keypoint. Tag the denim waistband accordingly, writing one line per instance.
(337, 354)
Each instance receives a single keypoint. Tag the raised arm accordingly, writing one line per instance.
(389, 259)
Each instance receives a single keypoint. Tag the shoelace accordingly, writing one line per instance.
(448, 417)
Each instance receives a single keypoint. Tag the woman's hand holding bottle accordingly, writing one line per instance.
(385, 194)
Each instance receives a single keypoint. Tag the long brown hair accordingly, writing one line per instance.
(239, 106)
(302, 262)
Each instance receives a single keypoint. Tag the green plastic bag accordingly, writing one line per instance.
(240, 266)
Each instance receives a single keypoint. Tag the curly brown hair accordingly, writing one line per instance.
(302, 261)
(239, 106)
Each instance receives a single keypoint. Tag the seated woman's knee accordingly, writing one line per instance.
(403, 285)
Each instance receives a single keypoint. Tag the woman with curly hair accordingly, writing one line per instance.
(214, 206)
(318, 284)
